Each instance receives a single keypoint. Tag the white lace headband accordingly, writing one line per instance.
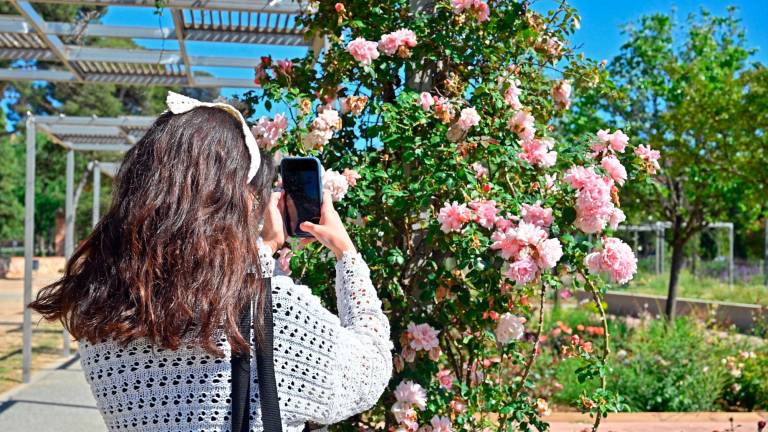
(179, 104)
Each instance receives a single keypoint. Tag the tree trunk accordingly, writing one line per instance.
(678, 245)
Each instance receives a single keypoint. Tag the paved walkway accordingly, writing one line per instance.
(57, 399)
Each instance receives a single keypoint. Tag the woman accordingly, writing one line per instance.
(153, 295)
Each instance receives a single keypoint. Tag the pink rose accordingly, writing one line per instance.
(512, 96)
(411, 393)
(480, 170)
(336, 184)
(445, 377)
(522, 123)
(509, 328)
(426, 100)
(363, 51)
(423, 337)
(468, 118)
(485, 212)
(537, 215)
(523, 271)
(351, 175)
(650, 157)
(452, 217)
(390, 43)
(267, 132)
(619, 141)
(614, 168)
(441, 424)
(537, 152)
(561, 93)
(549, 251)
(615, 258)
(340, 9)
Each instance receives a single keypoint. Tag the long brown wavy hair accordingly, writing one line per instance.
(172, 260)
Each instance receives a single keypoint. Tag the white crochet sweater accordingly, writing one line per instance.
(327, 368)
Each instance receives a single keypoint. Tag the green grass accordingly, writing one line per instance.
(705, 288)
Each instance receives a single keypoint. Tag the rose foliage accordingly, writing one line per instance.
(435, 125)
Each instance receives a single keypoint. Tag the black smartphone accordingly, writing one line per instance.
(303, 186)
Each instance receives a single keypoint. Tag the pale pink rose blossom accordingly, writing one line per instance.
(284, 67)
(614, 168)
(336, 184)
(594, 206)
(468, 118)
(423, 337)
(649, 156)
(352, 176)
(509, 328)
(363, 51)
(445, 378)
(503, 224)
(411, 393)
(549, 253)
(426, 100)
(267, 132)
(480, 170)
(405, 415)
(615, 258)
(391, 42)
(512, 96)
(505, 241)
(477, 8)
(617, 217)
(537, 152)
(522, 123)
(441, 424)
(561, 93)
(619, 141)
(485, 212)
(530, 234)
(537, 215)
(523, 271)
(284, 260)
(452, 217)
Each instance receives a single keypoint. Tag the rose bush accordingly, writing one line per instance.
(436, 123)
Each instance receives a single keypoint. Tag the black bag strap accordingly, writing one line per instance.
(265, 369)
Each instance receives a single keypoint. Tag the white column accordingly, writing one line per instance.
(96, 194)
(29, 246)
(69, 224)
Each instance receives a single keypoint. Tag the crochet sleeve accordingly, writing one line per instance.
(361, 354)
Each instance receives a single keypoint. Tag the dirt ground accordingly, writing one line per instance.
(46, 337)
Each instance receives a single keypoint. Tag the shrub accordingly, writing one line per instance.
(465, 202)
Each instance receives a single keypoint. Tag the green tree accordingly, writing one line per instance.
(74, 99)
(696, 98)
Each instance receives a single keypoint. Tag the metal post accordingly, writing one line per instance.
(69, 223)
(29, 239)
(96, 194)
(658, 250)
(730, 255)
(662, 246)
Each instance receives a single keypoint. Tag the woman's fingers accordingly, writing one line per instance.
(327, 202)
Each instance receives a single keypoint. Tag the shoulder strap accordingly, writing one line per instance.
(265, 369)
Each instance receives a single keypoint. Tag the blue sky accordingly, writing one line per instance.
(600, 36)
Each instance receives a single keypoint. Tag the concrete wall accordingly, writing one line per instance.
(632, 304)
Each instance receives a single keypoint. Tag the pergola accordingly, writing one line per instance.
(659, 229)
(73, 134)
(28, 36)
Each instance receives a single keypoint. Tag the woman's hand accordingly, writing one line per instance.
(330, 231)
(273, 231)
